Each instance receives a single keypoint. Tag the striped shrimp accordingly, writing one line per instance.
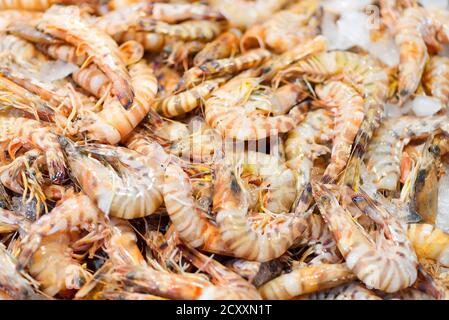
(351, 291)
(181, 103)
(151, 42)
(75, 213)
(113, 123)
(285, 29)
(230, 202)
(130, 191)
(21, 51)
(66, 23)
(235, 110)
(305, 280)
(215, 68)
(257, 273)
(416, 28)
(349, 114)
(54, 266)
(429, 242)
(436, 78)
(306, 142)
(38, 5)
(23, 131)
(224, 46)
(224, 283)
(384, 151)
(384, 260)
(201, 30)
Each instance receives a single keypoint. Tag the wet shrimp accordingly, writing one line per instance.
(37, 5)
(233, 110)
(39, 135)
(54, 266)
(130, 191)
(351, 291)
(75, 213)
(215, 68)
(66, 23)
(384, 151)
(109, 125)
(285, 29)
(305, 280)
(349, 114)
(224, 46)
(385, 260)
(176, 12)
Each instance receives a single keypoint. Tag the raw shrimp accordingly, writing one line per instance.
(121, 244)
(151, 42)
(416, 28)
(436, 78)
(384, 151)
(386, 261)
(66, 23)
(201, 30)
(429, 242)
(113, 123)
(349, 114)
(233, 111)
(92, 79)
(11, 221)
(307, 279)
(176, 12)
(21, 51)
(215, 68)
(131, 193)
(75, 213)
(181, 103)
(265, 243)
(256, 272)
(21, 131)
(224, 46)
(54, 266)
(351, 291)
(285, 29)
(64, 52)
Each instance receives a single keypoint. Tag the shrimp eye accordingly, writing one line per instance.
(435, 150)
(358, 199)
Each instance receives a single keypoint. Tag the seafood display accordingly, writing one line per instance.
(229, 150)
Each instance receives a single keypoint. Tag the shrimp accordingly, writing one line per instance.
(121, 244)
(54, 266)
(64, 52)
(201, 30)
(385, 260)
(429, 242)
(181, 103)
(349, 115)
(39, 135)
(285, 29)
(250, 59)
(75, 213)
(109, 125)
(306, 142)
(384, 151)
(416, 28)
(11, 221)
(306, 280)
(230, 202)
(133, 193)
(225, 284)
(244, 13)
(151, 42)
(37, 5)
(351, 291)
(435, 78)
(21, 51)
(232, 111)
(66, 23)
(224, 46)
(12, 282)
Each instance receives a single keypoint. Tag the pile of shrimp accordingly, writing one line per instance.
(219, 150)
